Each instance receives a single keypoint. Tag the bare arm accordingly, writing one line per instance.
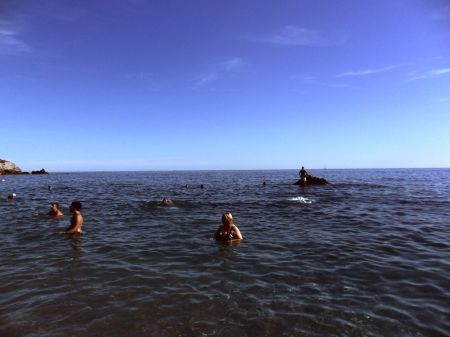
(237, 233)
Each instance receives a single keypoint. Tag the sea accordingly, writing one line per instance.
(366, 255)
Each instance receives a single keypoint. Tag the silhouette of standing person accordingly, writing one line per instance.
(303, 175)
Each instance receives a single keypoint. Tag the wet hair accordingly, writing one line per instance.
(56, 204)
(227, 218)
(76, 205)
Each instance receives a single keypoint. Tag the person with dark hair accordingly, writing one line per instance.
(76, 222)
(166, 202)
(228, 231)
(303, 174)
(54, 210)
(11, 197)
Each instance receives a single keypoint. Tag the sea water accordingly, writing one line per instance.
(367, 255)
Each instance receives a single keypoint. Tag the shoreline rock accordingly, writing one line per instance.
(310, 180)
(12, 172)
(9, 168)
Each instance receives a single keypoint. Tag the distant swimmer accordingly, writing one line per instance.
(228, 231)
(76, 222)
(50, 188)
(166, 202)
(202, 186)
(54, 210)
(264, 183)
(11, 197)
(303, 175)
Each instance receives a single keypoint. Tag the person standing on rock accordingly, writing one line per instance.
(303, 175)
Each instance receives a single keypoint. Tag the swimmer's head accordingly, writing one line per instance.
(227, 218)
(55, 205)
(166, 201)
(76, 205)
(12, 196)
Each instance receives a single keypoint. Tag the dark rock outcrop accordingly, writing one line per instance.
(310, 180)
(5, 172)
(42, 171)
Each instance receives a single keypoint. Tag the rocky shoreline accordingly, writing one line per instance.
(7, 167)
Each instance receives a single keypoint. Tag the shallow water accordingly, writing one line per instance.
(368, 255)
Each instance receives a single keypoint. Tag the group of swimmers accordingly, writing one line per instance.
(76, 221)
(227, 231)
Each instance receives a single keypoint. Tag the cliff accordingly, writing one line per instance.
(7, 167)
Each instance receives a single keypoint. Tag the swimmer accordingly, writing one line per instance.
(202, 186)
(11, 197)
(228, 230)
(54, 210)
(76, 222)
(50, 188)
(264, 183)
(166, 202)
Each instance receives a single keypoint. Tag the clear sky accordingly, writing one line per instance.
(224, 84)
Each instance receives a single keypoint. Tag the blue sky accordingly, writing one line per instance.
(209, 84)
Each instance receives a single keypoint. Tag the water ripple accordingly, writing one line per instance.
(366, 256)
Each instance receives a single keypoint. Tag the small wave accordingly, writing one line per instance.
(177, 204)
(302, 200)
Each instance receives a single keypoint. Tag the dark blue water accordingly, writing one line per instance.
(368, 255)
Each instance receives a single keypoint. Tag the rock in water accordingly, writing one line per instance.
(42, 171)
(310, 180)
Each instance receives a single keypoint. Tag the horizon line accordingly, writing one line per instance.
(273, 169)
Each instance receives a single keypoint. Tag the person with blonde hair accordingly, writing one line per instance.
(228, 231)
